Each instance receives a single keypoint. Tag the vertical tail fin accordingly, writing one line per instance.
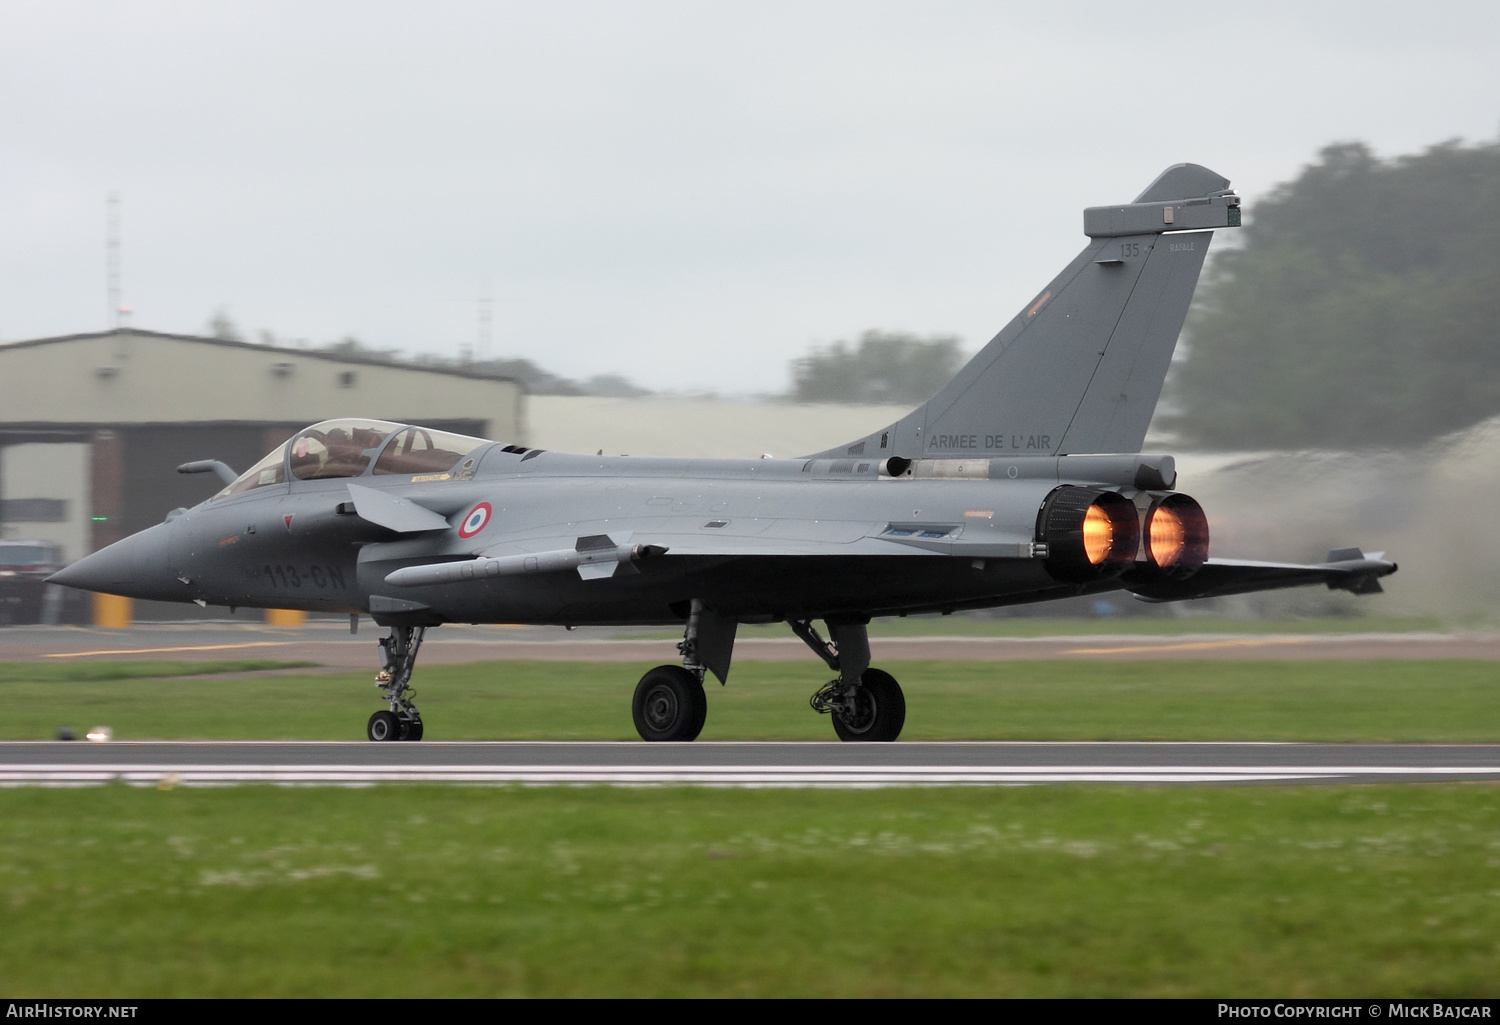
(1080, 369)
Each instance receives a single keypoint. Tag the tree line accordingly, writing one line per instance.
(1359, 307)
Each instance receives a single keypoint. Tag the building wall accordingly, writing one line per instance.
(101, 422)
(56, 471)
(699, 428)
(131, 377)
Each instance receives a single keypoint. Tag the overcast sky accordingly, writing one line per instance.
(687, 193)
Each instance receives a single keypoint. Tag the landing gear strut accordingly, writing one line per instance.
(398, 656)
(864, 703)
(669, 702)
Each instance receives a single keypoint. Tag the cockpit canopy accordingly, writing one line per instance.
(348, 448)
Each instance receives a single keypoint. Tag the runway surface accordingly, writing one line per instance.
(720, 764)
(736, 764)
(332, 647)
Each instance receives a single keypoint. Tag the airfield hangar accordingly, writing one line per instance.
(94, 426)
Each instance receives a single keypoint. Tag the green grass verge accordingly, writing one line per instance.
(61, 671)
(1048, 891)
(1377, 700)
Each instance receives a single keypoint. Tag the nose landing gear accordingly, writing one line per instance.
(398, 656)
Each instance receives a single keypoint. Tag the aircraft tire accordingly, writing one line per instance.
(383, 726)
(413, 730)
(884, 720)
(669, 705)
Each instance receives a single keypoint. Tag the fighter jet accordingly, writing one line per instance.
(1022, 480)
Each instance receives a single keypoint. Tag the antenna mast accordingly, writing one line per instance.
(484, 328)
(112, 257)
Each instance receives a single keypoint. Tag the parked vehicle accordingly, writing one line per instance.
(25, 595)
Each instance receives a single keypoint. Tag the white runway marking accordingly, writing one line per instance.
(137, 774)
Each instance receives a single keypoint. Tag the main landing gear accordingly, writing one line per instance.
(864, 703)
(669, 702)
(398, 656)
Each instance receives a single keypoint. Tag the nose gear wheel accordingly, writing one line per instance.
(398, 657)
(383, 726)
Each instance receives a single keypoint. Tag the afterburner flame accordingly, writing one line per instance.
(1098, 535)
(1168, 535)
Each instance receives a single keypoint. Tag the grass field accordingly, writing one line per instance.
(1055, 700)
(1389, 890)
(144, 669)
(1081, 891)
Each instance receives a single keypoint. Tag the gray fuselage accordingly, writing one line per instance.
(848, 540)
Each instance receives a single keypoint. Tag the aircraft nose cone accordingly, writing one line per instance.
(137, 567)
(109, 569)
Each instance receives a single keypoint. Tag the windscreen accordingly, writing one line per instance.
(270, 470)
(333, 448)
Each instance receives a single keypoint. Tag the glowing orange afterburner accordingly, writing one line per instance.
(1098, 535)
(1090, 533)
(1176, 536)
(1166, 536)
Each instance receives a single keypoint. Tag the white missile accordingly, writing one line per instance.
(594, 557)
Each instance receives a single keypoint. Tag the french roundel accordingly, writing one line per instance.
(475, 521)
